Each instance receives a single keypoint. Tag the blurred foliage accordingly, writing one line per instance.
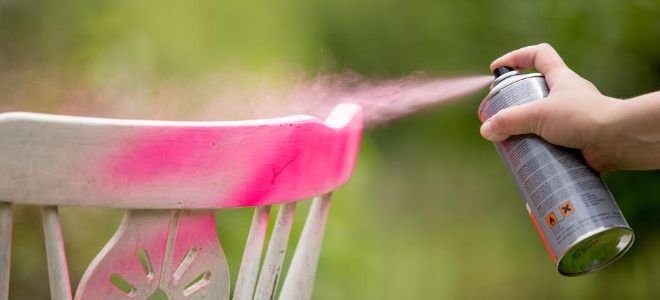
(431, 212)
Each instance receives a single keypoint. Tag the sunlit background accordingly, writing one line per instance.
(430, 212)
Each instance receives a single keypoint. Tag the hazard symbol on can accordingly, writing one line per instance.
(566, 208)
(551, 220)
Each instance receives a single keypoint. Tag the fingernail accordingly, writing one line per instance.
(488, 133)
(486, 130)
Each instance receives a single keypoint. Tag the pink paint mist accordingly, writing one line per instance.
(231, 95)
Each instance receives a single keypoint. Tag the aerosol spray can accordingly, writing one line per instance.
(574, 212)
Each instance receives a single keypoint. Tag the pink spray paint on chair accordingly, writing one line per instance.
(170, 177)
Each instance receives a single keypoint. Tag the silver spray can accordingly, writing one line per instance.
(574, 212)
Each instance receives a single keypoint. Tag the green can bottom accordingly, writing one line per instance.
(595, 250)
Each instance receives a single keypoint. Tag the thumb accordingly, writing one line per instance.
(521, 119)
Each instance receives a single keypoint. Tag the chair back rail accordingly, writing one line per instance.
(63, 160)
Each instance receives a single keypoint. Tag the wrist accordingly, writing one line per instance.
(601, 147)
(628, 134)
(606, 120)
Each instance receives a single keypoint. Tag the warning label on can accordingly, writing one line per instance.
(566, 208)
(551, 220)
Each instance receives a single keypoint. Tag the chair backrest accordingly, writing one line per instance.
(170, 176)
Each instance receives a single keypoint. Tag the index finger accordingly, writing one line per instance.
(542, 57)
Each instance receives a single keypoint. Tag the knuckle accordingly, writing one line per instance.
(545, 45)
(495, 123)
(500, 123)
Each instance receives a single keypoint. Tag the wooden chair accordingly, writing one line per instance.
(170, 176)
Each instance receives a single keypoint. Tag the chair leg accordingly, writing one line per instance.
(58, 272)
(299, 281)
(247, 274)
(6, 218)
(279, 240)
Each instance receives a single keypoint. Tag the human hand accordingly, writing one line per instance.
(574, 114)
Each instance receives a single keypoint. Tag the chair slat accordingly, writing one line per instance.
(299, 280)
(247, 274)
(160, 254)
(58, 272)
(195, 266)
(272, 266)
(119, 261)
(6, 221)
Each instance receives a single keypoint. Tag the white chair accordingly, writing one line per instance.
(170, 176)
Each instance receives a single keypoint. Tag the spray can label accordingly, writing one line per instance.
(572, 209)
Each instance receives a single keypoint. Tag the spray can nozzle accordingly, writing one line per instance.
(501, 71)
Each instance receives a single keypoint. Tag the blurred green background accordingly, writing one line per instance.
(430, 213)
